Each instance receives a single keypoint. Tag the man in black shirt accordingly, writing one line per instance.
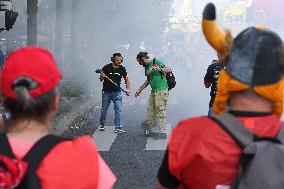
(210, 79)
(114, 71)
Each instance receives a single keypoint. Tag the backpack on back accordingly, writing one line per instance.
(21, 174)
(262, 159)
(171, 80)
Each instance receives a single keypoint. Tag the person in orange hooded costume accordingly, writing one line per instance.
(200, 154)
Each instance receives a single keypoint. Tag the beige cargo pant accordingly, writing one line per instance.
(156, 111)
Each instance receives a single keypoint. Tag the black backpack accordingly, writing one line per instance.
(171, 80)
(37, 153)
(262, 159)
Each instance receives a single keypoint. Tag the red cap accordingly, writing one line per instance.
(32, 62)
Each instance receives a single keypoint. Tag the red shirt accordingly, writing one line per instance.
(71, 164)
(203, 156)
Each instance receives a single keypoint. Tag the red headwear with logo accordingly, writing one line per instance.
(35, 63)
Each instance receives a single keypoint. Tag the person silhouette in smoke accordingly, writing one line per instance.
(155, 71)
(210, 80)
(203, 154)
(114, 71)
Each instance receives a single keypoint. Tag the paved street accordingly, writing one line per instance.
(133, 158)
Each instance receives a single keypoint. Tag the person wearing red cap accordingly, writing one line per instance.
(205, 153)
(29, 85)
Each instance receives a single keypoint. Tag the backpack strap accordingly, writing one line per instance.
(241, 135)
(280, 134)
(36, 154)
(161, 73)
(41, 148)
(5, 147)
(38, 151)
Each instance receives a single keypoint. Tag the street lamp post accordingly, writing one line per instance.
(59, 31)
(32, 9)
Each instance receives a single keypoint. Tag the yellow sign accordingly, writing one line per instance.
(235, 12)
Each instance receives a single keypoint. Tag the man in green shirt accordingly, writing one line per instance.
(155, 71)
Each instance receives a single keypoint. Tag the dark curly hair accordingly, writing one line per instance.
(142, 55)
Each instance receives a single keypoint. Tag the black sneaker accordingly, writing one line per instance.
(157, 136)
(102, 128)
(149, 133)
(119, 130)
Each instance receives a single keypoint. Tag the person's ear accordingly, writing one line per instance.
(55, 103)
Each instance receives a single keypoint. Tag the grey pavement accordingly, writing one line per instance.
(133, 158)
(72, 109)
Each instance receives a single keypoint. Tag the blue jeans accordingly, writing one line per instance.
(116, 98)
